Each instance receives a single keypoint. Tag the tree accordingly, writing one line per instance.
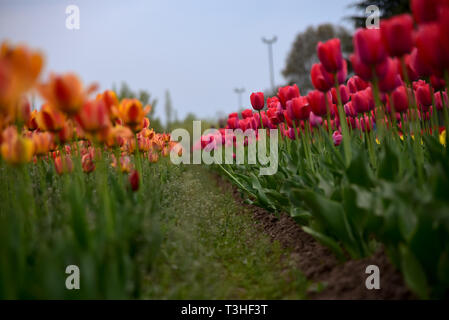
(303, 52)
(168, 109)
(388, 8)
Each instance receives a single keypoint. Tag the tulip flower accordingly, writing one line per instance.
(400, 99)
(437, 83)
(63, 164)
(356, 83)
(287, 93)
(330, 55)
(257, 100)
(19, 70)
(248, 113)
(132, 113)
(16, 149)
(423, 96)
(344, 94)
(397, 35)
(273, 102)
(153, 157)
(233, 123)
(439, 101)
(430, 49)
(42, 142)
(392, 79)
(426, 10)
(93, 116)
(365, 71)
(87, 163)
(110, 100)
(369, 47)
(272, 114)
(321, 79)
(65, 92)
(298, 108)
(319, 102)
(337, 138)
(363, 101)
(50, 119)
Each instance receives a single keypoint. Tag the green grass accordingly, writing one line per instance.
(212, 248)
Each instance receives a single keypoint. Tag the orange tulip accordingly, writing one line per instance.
(50, 119)
(32, 123)
(67, 132)
(42, 142)
(110, 99)
(65, 92)
(87, 163)
(133, 114)
(19, 70)
(153, 157)
(16, 149)
(125, 163)
(93, 116)
(63, 164)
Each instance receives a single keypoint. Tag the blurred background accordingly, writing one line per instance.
(192, 59)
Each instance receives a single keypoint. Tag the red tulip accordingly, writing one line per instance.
(437, 83)
(272, 114)
(233, 115)
(344, 94)
(400, 99)
(321, 79)
(397, 35)
(134, 180)
(356, 84)
(330, 55)
(233, 123)
(248, 113)
(409, 60)
(364, 71)
(426, 10)
(431, 49)
(320, 102)
(287, 93)
(273, 102)
(419, 65)
(257, 100)
(439, 101)
(391, 80)
(298, 108)
(423, 95)
(363, 101)
(369, 47)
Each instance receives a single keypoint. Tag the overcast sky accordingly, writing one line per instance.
(200, 50)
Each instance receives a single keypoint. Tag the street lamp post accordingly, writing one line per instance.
(239, 92)
(270, 42)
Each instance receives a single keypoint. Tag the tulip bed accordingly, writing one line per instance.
(81, 181)
(363, 162)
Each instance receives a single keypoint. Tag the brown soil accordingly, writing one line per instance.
(342, 280)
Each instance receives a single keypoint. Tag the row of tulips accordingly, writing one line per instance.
(80, 181)
(363, 161)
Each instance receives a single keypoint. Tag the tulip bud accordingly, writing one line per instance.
(134, 180)
(257, 100)
(397, 35)
(330, 55)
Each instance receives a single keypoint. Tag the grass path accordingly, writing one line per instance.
(212, 250)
